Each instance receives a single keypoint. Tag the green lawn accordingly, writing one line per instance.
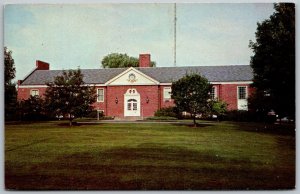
(148, 156)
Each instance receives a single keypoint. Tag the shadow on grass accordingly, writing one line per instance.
(148, 167)
(283, 129)
(198, 125)
(76, 124)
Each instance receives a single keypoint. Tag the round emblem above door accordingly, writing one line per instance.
(131, 77)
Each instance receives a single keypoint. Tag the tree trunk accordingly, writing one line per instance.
(194, 119)
(70, 120)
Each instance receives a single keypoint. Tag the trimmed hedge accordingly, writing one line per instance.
(161, 118)
(166, 112)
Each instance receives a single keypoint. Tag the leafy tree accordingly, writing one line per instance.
(273, 62)
(115, 60)
(31, 108)
(69, 96)
(191, 94)
(10, 87)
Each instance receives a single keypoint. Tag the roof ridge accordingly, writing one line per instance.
(120, 68)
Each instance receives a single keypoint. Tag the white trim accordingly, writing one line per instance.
(162, 84)
(229, 82)
(136, 71)
(165, 88)
(236, 82)
(94, 85)
(33, 86)
(165, 84)
(135, 96)
(98, 95)
(45, 86)
(215, 89)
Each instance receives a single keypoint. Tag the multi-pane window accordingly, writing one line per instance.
(132, 104)
(167, 93)
(128, 106)
(100, 95)
(34, 92)
(242, 93)
(213, 93)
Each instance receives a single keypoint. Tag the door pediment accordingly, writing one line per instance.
(132, 76)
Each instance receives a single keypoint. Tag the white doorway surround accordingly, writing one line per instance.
(132, 103)
(242, 96)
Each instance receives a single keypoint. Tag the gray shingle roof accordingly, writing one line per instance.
(161, 74)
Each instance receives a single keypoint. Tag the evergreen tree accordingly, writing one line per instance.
(10, 87)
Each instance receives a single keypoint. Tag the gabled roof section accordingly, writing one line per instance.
(139, 78)
(158, 74)
(91, 76)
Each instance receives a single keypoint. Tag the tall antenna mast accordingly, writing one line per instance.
(175, 20)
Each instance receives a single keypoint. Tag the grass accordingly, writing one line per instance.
(148, 156)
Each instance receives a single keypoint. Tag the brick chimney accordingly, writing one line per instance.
(144, 60)
(20, 82)
(41, 65)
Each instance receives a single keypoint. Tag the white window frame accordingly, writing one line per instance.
(215, 92)
(246, 92)
(98, 94)
(164, 93)
(36, 90)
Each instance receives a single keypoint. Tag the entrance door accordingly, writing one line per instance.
(242, 98)
(132, 103)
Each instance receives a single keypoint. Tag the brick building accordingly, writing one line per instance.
(140, 91)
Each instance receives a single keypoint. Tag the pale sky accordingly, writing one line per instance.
(71, 36)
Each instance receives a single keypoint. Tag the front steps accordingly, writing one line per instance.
(133, 118)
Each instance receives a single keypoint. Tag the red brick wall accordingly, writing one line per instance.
(165, 103)
(101, 105)
(41, 65)
(117, 110)
(144, 60)
(225, 92)
(24, 93)
(228, 94)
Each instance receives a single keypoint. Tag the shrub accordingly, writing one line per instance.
(240, 115)
(166, 112)
(161, 118)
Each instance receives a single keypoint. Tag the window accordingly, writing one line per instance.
(135, 106)
(34, 92)
(167, 93)
(242, 94)
(214, 92)
(100, 95)
(132, 104)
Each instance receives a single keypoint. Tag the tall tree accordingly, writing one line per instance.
(273, 62)
(115, 60)
(191, 94)
(10, 87)
(69, 96)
